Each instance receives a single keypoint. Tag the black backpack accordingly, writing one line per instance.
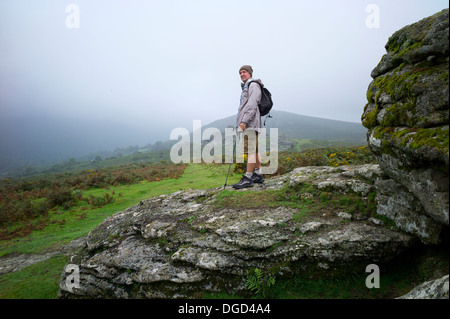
(266, 101)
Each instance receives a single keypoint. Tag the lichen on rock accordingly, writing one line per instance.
(184, 244)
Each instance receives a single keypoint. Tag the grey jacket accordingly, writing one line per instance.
(248, 108)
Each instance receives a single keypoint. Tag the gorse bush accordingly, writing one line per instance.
(100, 201)
(16, 210)
(127, 174)
(61, 196)
(332, 156)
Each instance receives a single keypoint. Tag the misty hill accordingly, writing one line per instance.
(42, 140)
(298, 126)
(37, 145)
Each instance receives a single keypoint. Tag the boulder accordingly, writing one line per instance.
(433, 289)
(407, 116)
(184, 245)
(358, 179)
(400, 205)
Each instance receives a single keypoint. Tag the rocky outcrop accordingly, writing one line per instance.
(407, 115)
(185, 244)
(433, 289)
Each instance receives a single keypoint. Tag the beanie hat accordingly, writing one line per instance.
(247, 68)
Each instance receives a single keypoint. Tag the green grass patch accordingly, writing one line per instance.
(305, 199)
(38, 281)
(60, 226)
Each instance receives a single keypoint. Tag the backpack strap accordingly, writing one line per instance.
(254, 82)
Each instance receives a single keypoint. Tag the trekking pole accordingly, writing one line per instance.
(229, 166)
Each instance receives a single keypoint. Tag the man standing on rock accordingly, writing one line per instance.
(249, 126)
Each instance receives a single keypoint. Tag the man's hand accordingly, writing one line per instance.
(242, 126)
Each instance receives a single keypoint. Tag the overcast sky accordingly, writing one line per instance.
(170, 62)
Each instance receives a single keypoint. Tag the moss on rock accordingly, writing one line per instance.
(407, 113)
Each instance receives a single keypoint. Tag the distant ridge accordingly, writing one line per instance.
(42, 151)
(298, 126)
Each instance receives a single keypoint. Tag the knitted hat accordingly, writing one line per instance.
(247, 68)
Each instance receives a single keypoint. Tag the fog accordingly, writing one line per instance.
(79, 76)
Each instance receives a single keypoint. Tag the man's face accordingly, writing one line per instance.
(244, 75)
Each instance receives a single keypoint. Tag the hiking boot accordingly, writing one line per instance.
(257, 178)
(244, 182)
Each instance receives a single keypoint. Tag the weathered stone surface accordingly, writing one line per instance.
(433, 289)
(393, 200)
(398, 204)
(181, 245)
(407, 115)
(359, 179)
(416, 43)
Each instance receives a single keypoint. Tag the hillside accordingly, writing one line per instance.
(296, 132)
(298, 126)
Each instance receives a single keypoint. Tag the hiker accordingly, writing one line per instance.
(249, 126)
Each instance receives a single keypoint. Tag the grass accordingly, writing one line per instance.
(305, 198)
(307, 144)
(38, 281)
(62, 226)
